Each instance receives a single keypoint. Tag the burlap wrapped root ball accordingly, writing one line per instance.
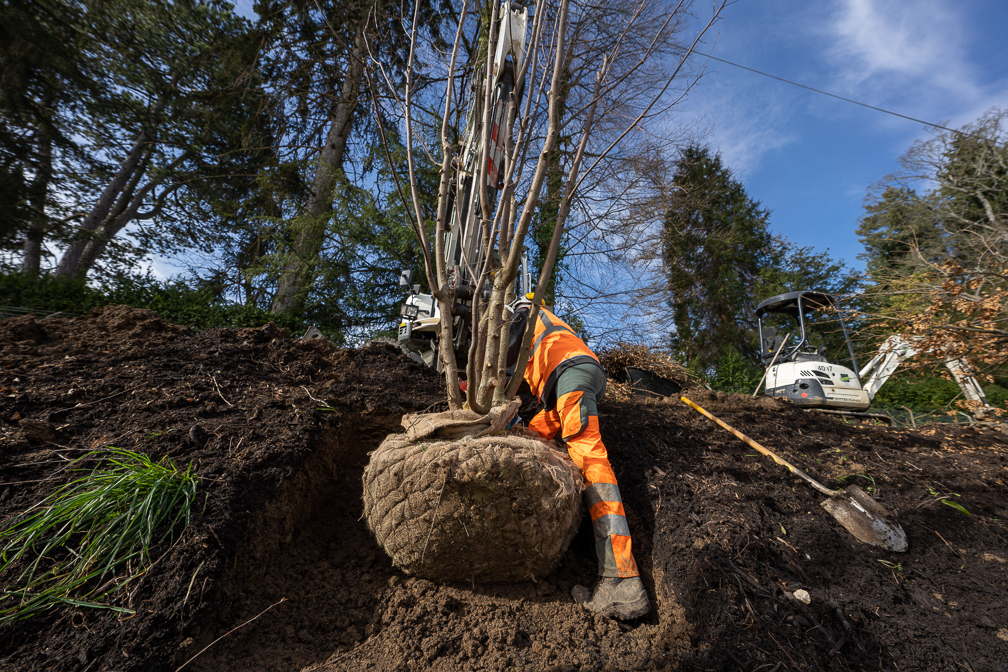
(491, 509)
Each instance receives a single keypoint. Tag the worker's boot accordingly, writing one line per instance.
(624, 599)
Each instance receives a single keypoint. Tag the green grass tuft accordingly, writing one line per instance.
(957, 506)
(84, 543)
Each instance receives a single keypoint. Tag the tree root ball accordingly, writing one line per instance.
(492, 509)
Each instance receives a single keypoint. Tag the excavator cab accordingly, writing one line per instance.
(773, 342)
(798, 361)
(802, 310)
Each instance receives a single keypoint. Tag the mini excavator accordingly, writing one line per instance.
(418, 328)
(799, 370)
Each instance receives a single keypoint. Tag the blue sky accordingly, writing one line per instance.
(809, 158)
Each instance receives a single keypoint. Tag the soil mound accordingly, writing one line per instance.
(280, 567)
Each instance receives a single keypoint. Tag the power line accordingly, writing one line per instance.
(833, 95)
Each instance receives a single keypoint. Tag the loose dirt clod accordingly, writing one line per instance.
(497, 508)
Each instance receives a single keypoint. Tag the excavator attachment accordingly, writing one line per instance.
(474, 179)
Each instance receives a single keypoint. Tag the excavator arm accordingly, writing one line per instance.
(464, 254)
(462, 251)
(896, 350)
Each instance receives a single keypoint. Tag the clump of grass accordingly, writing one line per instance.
(82, 544)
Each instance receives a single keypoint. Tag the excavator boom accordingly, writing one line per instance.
(474, 178)
(896, 350)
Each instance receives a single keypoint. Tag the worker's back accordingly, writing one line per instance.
(555, 347)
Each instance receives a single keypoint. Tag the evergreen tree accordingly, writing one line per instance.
(118, 113)
(318, 58)
(715, 246)
(182, 103)
(45, 76)
(793, 268)
(898, 226)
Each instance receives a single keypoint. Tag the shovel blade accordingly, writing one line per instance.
(865, 518)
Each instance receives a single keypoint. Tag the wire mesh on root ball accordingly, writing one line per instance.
(491, 509)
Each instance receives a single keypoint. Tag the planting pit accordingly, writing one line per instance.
(277, 555)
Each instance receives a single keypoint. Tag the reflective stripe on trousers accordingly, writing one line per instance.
(576, 414)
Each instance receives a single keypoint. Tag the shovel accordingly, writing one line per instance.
(861, 515)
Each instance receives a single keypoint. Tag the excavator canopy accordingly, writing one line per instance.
(789, 303)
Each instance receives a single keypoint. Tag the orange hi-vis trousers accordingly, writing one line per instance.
(576, 414)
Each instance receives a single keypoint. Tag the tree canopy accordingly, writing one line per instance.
(936, 246)
(715, 245)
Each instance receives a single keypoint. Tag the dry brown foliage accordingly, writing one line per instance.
(948, 293)
(617, 358)
(966, 316)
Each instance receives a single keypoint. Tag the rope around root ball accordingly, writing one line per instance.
(490, 509)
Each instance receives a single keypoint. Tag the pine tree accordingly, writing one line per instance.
(45, 76)
(181, 100)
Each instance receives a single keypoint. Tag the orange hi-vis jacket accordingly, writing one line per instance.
(555, 348)
(570, 410)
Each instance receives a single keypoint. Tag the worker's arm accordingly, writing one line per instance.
(517, 332)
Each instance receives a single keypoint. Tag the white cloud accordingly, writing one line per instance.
(747, 120)
(897, 46)
(744, 143)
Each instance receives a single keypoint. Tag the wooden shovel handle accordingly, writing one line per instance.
(793, 469)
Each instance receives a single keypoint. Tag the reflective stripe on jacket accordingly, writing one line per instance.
(555, 348)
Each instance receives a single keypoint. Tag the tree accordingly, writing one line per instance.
(122, 113)
(716, 244)
(505, 222)
(180, 104)
(720, 260)
(949, 291)
(309, 222)
(44, 75)
(895, 226)
(328, 78)
(581, 283)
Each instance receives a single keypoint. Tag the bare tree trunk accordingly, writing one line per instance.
(70, 262)
(510, 272)
(299, 273)
(500, 261)
(126, 209)
(32, 260)
(132, 168)
(554, 191)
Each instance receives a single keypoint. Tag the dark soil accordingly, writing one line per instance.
(279, 567)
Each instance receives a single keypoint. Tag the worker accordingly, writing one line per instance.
(567, 378)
